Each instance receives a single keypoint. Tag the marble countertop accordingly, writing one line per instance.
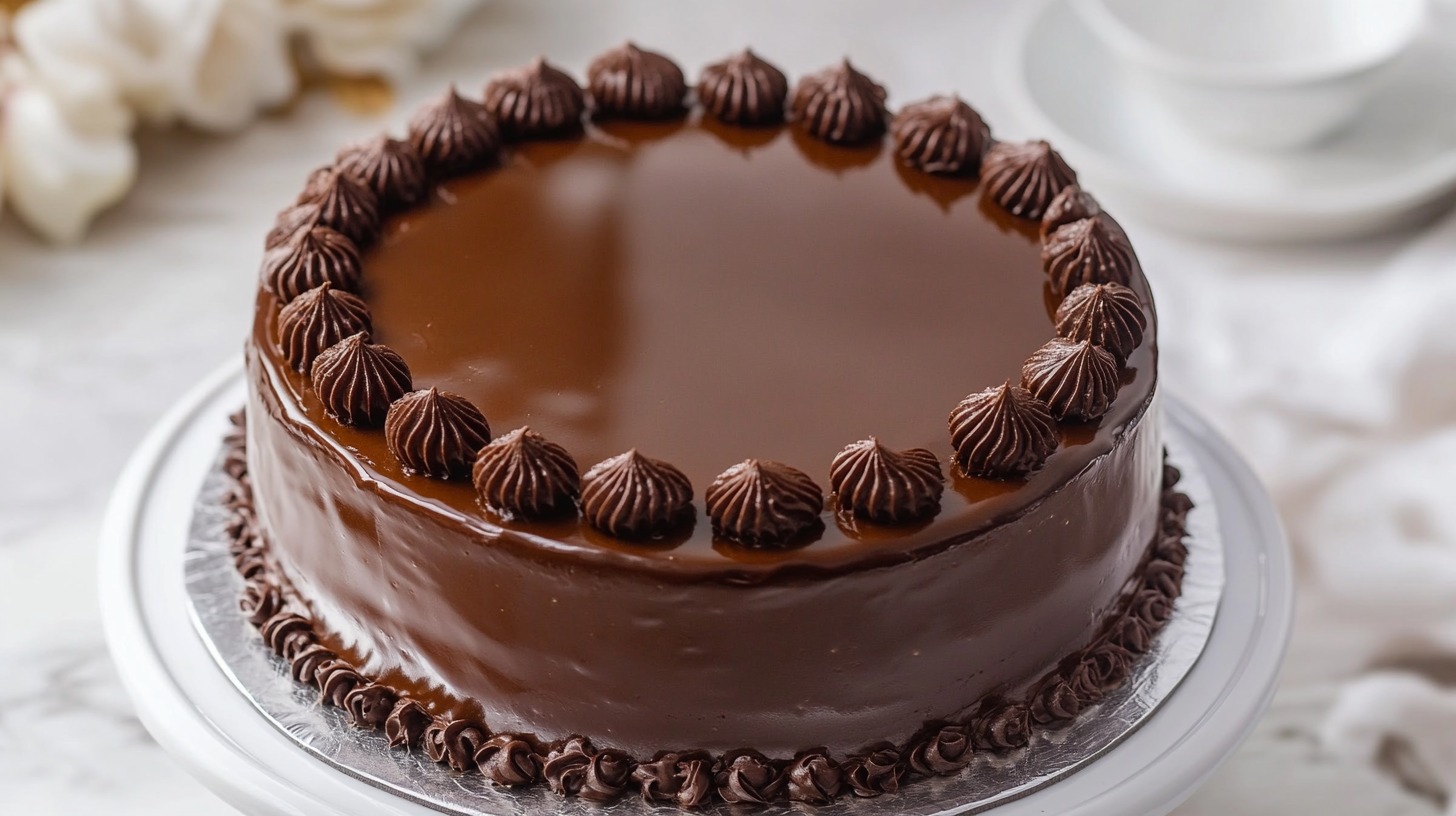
(97, 340)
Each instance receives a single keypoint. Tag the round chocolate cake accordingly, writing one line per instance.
(741, 441)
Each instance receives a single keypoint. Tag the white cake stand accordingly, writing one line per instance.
(196, 713)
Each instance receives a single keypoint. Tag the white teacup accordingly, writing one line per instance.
(1257, 73)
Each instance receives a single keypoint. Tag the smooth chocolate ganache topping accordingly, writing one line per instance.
(941, 134)
(536, 100)
(1071, 204)
(524, 475)
(454, 135)
(435, 433)
(316, 256)
(632, 496)
(1024, 177)
(357, 380)
(840, 105)
(344, 202)
(391, 168)
(1002, 432)
(633, 83)
(877, 484)
(1104, 314)
(744, 90)
(1093, 250)
(317, 319)
(761, 503)
(1075, 379)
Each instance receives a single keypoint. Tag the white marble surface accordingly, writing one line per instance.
(97, 340)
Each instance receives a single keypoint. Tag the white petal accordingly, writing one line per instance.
(59, 177)
(380, 37)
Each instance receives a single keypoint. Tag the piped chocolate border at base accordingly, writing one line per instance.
(574, 767)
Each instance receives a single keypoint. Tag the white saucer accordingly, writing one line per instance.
(196, 713)
(1396, 165)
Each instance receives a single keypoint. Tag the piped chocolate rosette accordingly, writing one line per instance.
(1004, 432)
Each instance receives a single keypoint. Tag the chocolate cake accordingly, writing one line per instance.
(732, 442)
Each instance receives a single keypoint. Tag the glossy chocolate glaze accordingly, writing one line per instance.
(706, 295)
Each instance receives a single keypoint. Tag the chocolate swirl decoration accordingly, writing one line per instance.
(261, 600)
(1093, 250)
(1023, 177)
(1076, 380)
(682, 779)
(632, 496)
(335, 680)
(607, 776)
(565, 769)
(305, 666)
(1002, 727)
(1055, 702)
(761, 503)
(633, 83)
(356, 380)
(1109, 315)
(840, 105)
(406, 724)
(744, 90)
(370, 705)
(454, 742)
(749, 779)
(813, 778)
(344, 203)
(1071, 204)
(391, 168)
(509, 761)
(877, 484)
(291, 223)
(535, 100)
(454, 135)
(317, 319)
(940, 135)
(287, 634)
(435, 433)
(524, 475)
(1002, 432)
(941, 752)
(316, 256)
(874, 772)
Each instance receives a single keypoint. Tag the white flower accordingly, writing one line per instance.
(375, 37)
(213, 64)
(58, 173)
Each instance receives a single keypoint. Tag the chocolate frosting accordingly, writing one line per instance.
(566, 767)
(743, 90)
(941, 752)
(454, 742)
(508, 760)
(370, 705)
(875, 772)
(305, 666)
(1055, 702)
(1071, 204)
(1004, 726)
(633, 496)
(317, 319)
(632, 83)
(314, 257)
(814, 778)
(344, 203)
(290, 223)
(406, 724)
(1002, 432)
(607, 776)
(357, 380)
(840, 105)
(1024, 177)
(941, 134)
(683, 779)
(1109, 315)
(260, 601)
(536, 100)
(287, 634)
(749, 779)
(1075, 379)
(391, 168)
(335, 679)
(1093, 250)
(435, 433)
(454, 135)
(524, 475)
(877, 484)
(762, 503)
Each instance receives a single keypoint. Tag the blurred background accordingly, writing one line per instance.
(1288, 196)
